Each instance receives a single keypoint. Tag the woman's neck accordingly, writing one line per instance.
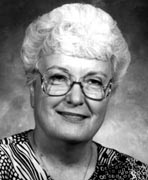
(65, 152)
(74, 160)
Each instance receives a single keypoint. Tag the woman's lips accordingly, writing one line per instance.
(72, 117)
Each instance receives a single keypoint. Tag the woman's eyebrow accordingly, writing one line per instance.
(58, 68)
(93, 73)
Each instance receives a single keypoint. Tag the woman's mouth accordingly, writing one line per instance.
(72, 117)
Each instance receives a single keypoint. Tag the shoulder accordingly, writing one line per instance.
(9, 148)
(15, 138)
(11, 143)
(120, 163)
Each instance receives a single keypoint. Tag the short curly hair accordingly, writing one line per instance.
(76, 29)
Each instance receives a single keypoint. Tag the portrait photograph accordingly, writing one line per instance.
(74, 89)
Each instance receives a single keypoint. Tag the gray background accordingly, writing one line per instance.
(126, 124)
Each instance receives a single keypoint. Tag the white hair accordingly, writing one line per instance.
(80, 30)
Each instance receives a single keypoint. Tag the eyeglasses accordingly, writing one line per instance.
(60, 83)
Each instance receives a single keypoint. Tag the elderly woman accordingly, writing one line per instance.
(74, 58)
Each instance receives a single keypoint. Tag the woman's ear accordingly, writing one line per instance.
(32, 95)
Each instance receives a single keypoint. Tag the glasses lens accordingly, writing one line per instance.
(94, 93)
(93, 88)
(56, 84)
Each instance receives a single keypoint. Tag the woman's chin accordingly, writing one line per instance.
(74, 135)
(73, 139)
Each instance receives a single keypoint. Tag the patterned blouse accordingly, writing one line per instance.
(18, 162)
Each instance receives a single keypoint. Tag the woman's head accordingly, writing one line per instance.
(77, 30)
(79, 51)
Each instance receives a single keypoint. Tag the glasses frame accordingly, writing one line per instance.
(105, 89)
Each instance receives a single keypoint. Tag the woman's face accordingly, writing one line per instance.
(71, 117)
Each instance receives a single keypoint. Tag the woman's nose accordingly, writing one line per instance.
(75, 96)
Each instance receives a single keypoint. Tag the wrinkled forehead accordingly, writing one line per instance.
(75, 65)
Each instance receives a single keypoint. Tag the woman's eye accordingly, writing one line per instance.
(58, 78)
(94, 82)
